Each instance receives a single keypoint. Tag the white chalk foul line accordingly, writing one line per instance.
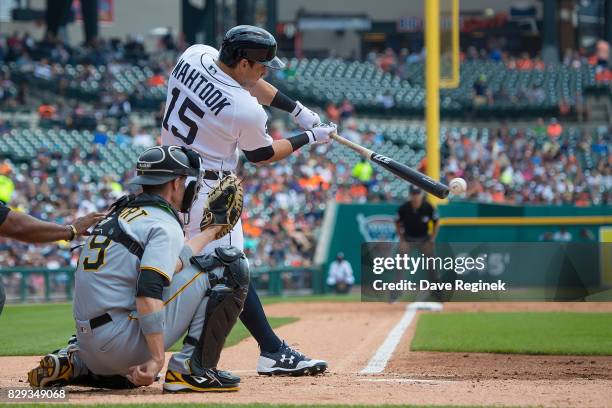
(379, 361)
(404, 380)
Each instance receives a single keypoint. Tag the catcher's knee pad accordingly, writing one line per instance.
(228, 271)
(226, 266)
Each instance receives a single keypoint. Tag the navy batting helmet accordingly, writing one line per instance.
(252, 43)
(161, 164)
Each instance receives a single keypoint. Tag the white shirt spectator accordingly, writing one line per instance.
(562, 236)
(340, 272)
(143, 140)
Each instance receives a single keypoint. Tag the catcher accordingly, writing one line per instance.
(139, 288)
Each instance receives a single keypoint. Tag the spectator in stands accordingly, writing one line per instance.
(93, 155)
(480, 92)
(510, 63)
(340, 277)
(565, 108)
(387, 61)
(120, 107)
(5, 126)
(415, 57)
(157, 79)
(168, 42)
(140, 138)
(540, 128)
(363, 172)
(332, 112)
(350, 131)
(495, 54)
(603, 54)
(287, 73)
(346, 110)
(46, 111)
(101, 135)
(563, 235)
(535, 95)
(554, 128)
(524, 63)
(386, 101)
(7, 186)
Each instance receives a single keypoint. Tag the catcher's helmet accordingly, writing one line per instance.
(161, 164)
(252, 43)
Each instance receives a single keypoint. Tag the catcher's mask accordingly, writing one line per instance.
(161, 164)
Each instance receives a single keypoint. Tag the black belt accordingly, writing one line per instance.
(214, 175)
(100, 321)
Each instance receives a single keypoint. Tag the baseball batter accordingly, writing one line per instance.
(214, 107)
(132, 299)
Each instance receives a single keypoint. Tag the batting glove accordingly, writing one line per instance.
(304, 117)
(321, 132)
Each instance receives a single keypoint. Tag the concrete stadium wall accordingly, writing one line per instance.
(382, 10)
(139, 17)
(135, 17)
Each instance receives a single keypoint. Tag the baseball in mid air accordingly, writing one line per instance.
(458, 186)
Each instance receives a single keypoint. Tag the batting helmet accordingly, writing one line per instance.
(252, 43)
(161, 164)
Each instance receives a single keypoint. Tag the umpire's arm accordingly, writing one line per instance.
(24, 227)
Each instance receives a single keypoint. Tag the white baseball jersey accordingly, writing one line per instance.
(208, 111)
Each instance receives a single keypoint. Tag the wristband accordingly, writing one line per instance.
(73, 232)
(283, 102)
(300, 140)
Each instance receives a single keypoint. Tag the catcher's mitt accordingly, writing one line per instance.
(223, 205)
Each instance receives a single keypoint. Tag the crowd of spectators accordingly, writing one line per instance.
(534, 166)
(101, 63)
(284, 202)
(59, 70)
(396, 63)
(50, 188)
(399, 63)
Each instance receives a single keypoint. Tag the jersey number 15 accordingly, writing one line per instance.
(187, 104)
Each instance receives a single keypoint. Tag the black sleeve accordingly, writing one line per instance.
(4, 210)
(432, 212)
(261, 154)
(298, 141)
(400, 213)
(283, 102)
(150, 284)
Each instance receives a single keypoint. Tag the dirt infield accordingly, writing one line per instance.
(348, 334)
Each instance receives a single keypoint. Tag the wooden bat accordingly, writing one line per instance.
(401, 170)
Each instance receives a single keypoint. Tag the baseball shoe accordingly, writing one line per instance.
(287, 361)
(213, 381)
(54, 370)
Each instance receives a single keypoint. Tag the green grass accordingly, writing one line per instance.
(39, 329)
(519, 333)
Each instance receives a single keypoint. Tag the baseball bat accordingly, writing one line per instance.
(401, 170)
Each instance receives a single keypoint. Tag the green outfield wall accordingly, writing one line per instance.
(355, 224)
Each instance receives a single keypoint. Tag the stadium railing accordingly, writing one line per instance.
(58, 284)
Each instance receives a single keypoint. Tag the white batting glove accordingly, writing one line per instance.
(304, 117)
(321, 132)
